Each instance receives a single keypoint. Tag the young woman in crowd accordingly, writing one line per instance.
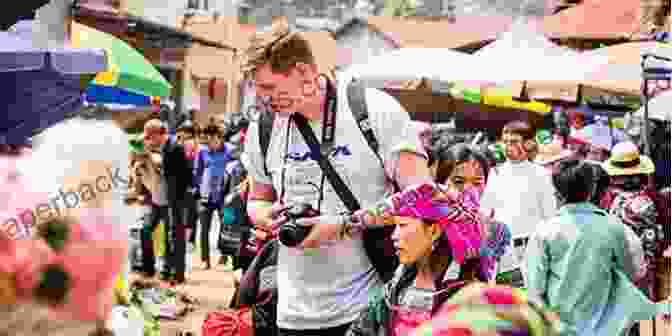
(434, 227)
(462, 167)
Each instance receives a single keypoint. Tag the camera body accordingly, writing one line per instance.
(291, 233)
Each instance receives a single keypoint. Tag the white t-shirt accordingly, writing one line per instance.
(522, 194)
(328, 286)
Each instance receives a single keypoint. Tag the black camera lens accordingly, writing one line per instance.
(292, 234)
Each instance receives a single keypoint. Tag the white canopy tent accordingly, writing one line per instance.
(524, 54)
(437, 64)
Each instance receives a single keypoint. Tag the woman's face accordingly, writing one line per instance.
(467, 175)
(413, 239)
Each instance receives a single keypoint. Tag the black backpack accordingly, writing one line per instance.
(377, 242)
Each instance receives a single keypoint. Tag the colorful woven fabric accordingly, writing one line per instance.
(483, 309)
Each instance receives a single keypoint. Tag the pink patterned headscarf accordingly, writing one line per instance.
(457, 216)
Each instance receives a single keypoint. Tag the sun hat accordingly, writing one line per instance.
(551, 153)
(626, 160)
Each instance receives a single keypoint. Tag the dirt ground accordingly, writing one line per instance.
(213, 290)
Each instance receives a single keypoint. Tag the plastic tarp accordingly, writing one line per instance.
(40, 87)
(34, 100)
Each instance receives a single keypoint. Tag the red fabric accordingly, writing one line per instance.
(231, 322)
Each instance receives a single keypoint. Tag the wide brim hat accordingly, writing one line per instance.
(626, 160)
(551, 153)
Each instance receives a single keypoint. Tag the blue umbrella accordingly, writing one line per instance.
(40, 87)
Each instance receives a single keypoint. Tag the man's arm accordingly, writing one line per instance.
(630, 253)
(547, 199)
(400, 145)
(262, 194)
(198, 169)
(536, 267)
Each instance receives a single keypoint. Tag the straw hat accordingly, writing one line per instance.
(551, 153)
(626, 160)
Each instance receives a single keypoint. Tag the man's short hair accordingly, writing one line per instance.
(155, 125)
(281, 48)
(519, 127)
(574, 180)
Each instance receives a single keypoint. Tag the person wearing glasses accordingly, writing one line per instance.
(521, 194)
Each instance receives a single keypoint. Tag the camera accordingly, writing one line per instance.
(291, 233)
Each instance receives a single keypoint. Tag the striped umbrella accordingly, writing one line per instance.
(130, 77)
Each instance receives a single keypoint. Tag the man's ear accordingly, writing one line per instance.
(308, 71)
(529, 144)
(436, 232)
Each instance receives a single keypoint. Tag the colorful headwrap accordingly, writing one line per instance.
(482, 309)
(458, 217)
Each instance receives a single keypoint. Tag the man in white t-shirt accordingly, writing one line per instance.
(521, 193)
(322, 287)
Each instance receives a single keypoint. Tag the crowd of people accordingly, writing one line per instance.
(380, 228)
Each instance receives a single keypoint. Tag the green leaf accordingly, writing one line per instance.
(55, 232)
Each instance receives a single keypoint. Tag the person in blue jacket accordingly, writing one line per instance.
(210, 177)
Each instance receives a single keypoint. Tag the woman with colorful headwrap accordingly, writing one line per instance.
(433, 228)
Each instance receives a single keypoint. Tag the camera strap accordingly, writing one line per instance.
(322, 152)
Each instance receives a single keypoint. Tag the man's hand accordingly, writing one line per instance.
(156, 159)
(277, 218)
(325, 228)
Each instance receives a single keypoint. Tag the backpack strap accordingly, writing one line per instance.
(357, 101)
(266, 120)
